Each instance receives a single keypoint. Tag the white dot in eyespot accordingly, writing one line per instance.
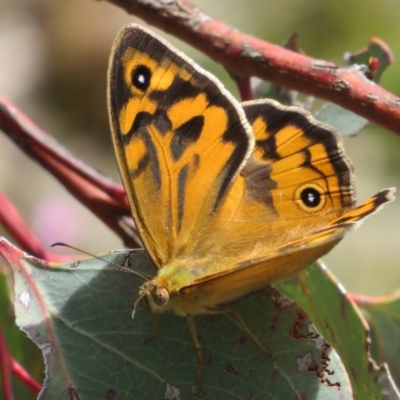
(141, 79)
(311, 198)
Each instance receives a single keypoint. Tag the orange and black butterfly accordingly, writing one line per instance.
(227, 197)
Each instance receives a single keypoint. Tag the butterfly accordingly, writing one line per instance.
(228, 198)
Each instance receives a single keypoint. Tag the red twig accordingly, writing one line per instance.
(10, 366)
(244, 88)
(22, 374)
(104, 198)
(363, 300)
(5, 369)
(16, 226)
(244, 55)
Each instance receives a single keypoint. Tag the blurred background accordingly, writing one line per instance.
(53, 61)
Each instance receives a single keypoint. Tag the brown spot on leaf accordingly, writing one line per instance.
(232, 369)
(111, 394)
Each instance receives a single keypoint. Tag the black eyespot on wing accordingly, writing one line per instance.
(310, 197)
(141, 77)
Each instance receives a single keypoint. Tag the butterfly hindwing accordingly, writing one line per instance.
(265, 223)
(297, 180)
(284, 262)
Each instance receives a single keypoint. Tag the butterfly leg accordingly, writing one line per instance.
(250, 333)
(154, 329)
(244, 326)
(199, 352)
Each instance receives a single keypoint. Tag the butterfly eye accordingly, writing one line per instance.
(161, 296)
(141, 77)
(310, 197)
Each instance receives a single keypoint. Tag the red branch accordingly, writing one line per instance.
(23, 375)
(104, 198)
(13, 222)
(365, 301)
(5, 369)
(244, 55)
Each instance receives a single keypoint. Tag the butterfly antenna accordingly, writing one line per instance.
(135, 304)
(68, 246)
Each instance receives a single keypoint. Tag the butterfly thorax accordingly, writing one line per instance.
(172, 289)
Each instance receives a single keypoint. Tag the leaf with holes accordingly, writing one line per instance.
(78, 313)
(340, 321)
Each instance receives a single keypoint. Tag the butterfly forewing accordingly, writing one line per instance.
(180, 140)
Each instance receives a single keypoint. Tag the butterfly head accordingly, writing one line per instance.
(159, 295)
(164, 291)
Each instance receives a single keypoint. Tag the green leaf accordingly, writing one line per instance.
(21, 348)
(340, 321)
(383, 317)
(344, 121)
(79, 315)
(377, 49)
